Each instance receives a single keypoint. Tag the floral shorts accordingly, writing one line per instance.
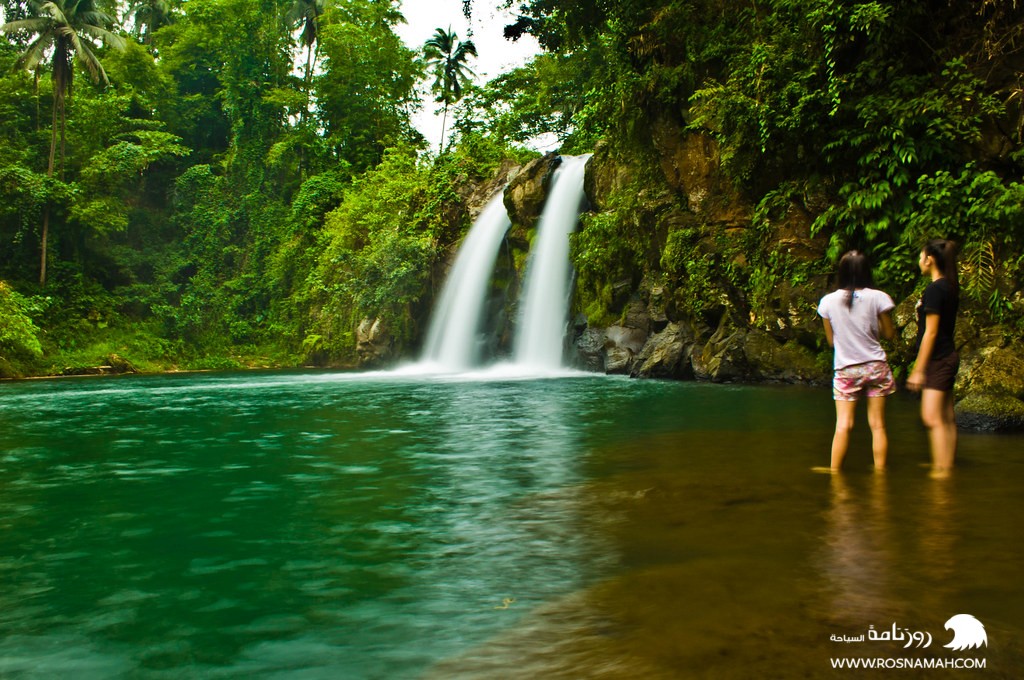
(873, 379)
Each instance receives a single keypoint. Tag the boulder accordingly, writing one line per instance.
(722, 358)
(637, 317)
(1000, 372)
(528, 188)
(667, 354)
(990, 413)
(788, 362)
(657, 304)
(618, 360)
(590, 350)
(118, 364)
(374, 343)
(622, 344)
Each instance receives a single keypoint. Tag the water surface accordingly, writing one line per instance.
(325, 525)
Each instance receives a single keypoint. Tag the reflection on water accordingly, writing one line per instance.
(320, 525)
(858, 560)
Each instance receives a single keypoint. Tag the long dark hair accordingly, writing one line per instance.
(853, 272)
(944, 252)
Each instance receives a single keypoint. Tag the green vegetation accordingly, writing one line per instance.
(238, 182)
(196, 204)
(883, 123)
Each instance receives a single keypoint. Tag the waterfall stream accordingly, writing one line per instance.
(454, 342)
(544, 306)
(453, 338)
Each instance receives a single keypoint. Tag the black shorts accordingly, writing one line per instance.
(940, 374)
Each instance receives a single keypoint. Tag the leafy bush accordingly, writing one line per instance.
(18, 333)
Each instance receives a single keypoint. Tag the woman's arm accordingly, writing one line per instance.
(885, 326)
(931, 330)
(828, 332)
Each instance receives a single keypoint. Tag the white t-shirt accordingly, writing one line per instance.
(855, 330)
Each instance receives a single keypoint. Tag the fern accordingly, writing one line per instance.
(979, 270)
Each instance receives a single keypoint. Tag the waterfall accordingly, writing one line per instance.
(452, 340)
(545, 302)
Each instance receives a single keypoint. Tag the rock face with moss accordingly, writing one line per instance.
(678, 278)
(662, 294)
(992, 382)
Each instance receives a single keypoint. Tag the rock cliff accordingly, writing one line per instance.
(720, 293)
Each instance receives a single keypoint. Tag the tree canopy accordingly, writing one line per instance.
(242, 177)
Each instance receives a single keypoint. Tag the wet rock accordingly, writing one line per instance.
(590, 350)
(999, 372)
(482, 194)
(622, 344)
(722, 358)
(374, 343)
(990, 413)
(119, 364)
(528, 188)
(618, 360)
(667, 354)
(789, 362)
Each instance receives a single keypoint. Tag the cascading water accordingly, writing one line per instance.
(452, 340)
(545, 304)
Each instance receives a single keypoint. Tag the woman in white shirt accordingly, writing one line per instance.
(855, 315)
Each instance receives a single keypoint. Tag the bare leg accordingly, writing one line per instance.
(879, 437)
(841, 439)
(951, 432)
(937, 415)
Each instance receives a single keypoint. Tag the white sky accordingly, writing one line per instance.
(495, 54)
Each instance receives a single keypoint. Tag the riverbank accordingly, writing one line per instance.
(989, 386)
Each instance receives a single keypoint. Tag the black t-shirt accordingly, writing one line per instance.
(939, 298)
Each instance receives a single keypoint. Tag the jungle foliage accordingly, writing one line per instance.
(244, 182)
(887, 122)
(239, 183)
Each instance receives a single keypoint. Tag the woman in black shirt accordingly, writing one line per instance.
(937, 359)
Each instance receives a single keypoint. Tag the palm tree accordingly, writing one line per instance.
(306, 13)
(63, 32)
(147, 16)
(447, 59)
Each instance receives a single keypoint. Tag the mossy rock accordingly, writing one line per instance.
(990, 413)
(1000, 373)
(771, 360)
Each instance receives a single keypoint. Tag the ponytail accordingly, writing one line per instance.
(944, 252)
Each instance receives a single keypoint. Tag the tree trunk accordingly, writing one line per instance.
(63, 120)
(42, 257)
(308, 78)
(46, 211)
(53, 139)
(35, 87)
(444, 122)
